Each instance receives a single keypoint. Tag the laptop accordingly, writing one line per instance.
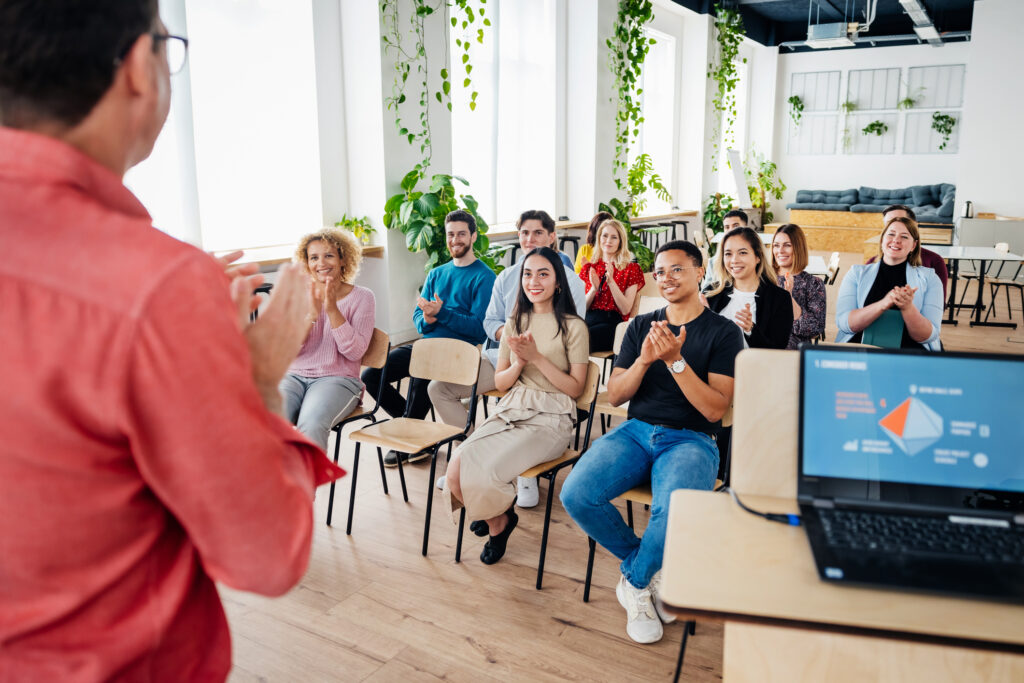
(911, 469)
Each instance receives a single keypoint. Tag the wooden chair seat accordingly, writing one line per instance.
(405, 434)
(604, 406)
(545, 467)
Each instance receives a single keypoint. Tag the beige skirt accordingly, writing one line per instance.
(527, 428)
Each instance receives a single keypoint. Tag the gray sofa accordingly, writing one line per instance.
(931, 203)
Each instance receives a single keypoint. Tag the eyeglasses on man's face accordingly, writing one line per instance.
(177, 50)
(673, 273)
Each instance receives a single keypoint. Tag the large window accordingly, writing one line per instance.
(657, 134)
(506, 148)
(738, 141)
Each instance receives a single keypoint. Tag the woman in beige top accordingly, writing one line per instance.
(542, 364)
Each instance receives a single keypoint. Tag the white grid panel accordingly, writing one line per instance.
(874, 88)
(920, 138)
(871, 143)
(816, 134)
(819, 90)
(943, 86)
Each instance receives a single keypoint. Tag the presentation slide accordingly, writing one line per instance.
(931, 419)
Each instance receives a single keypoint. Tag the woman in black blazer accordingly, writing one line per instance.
(747, 291)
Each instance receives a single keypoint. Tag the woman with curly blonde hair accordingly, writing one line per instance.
(612, 282)
(323, 385)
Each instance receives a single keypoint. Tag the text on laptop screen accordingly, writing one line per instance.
(918, 419)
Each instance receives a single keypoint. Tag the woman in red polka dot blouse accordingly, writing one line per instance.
(613, 282)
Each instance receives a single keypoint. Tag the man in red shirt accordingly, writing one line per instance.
(142, 456)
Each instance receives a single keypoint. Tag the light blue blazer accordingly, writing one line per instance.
(857, 283)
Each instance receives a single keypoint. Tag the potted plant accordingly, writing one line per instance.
(763, 181)
(796, 109)
(943, 125)
(878, 128)
(360, 227)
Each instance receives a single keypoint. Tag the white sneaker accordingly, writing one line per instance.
(527, 492)
(655, 589)
(642, 623)
(440, 482)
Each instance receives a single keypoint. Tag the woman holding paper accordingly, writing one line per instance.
(323, 384)
(893, 302)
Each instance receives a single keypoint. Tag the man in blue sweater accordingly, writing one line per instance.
(452, 304)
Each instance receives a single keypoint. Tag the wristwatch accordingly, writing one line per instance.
(677, 367)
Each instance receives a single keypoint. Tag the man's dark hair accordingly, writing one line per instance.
(462, 216)
(682, 245)
(536, 215)
(58, 58)
(900, 207)
(737, 213)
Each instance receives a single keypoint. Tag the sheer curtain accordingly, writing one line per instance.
(506, 148)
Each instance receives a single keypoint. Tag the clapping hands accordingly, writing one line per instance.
(901, 297)
(745, 319)
(661, 344)
(430, 308)
(524, 347)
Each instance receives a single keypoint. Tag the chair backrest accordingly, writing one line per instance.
(620, 333)
(764, 423)
(650, 287)
(650, 303)
(445, 360)
(377, 352)
(593, 381)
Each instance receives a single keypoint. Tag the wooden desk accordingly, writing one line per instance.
(783, 623)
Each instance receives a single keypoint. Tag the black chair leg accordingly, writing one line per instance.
(401, 474)
(430, 499)
(352, 494)
(590, 569)
(682, 651)
(485, 407)
(629, 513)
(383, 476)
(458, 543)
(544, 534)
(330, 497)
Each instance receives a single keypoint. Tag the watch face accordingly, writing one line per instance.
(678, 366)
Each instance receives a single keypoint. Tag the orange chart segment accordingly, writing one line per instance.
(896, 420)
(913, 426)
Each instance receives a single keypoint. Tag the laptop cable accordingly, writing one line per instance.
(781, 518)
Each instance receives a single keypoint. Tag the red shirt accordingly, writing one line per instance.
(137, 461)
(625, 278)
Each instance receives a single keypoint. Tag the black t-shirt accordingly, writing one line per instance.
(888, 278)
(711, 345)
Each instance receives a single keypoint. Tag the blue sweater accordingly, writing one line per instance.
(465, 291)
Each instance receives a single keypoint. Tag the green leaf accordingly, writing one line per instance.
(440, 181)
(459, 178)
(472, 106)
(426, 204)
(466, 82)
(447, 87)
(393, 203)
(465, 58)
(444, 73)
(405, 212)
(410, 180)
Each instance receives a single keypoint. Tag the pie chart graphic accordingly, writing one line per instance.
(912, 426)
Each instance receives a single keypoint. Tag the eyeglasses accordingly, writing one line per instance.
(673, 273)
(177, 50)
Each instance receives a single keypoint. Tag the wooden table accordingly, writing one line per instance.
(984, 255)
(784, 624)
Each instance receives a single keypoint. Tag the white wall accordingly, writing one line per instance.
(991, 143)
(841, 171)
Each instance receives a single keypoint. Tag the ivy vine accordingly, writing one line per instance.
(729, 33)
(796, 109)
(411, 67)
(628, 49)
(943, 125)
(878, 128)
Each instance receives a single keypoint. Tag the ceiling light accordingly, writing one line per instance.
(926, 32)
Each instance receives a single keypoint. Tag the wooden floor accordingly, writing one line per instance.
(371, 608)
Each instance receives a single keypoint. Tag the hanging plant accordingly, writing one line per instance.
(875, 127)
(763, 181)
(464, 16)
(627, 50)
(943, 125)
(729, 34)
(796, 109)
(847, 108)
(360, 227)
(911, 100)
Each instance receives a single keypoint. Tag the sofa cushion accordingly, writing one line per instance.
(868, 208)
(810, 206)
(931, 217)
(924, 194)
(881, 197)
(826, 197)
(948, 197)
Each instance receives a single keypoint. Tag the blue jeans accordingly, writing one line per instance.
(315, 404)
(630, 455)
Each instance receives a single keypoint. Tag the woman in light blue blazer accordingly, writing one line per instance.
(896, 282)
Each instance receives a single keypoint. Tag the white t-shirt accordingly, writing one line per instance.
(737, 300)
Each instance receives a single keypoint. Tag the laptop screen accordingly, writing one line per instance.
(945, 420)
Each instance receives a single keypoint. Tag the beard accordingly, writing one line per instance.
(459, 251)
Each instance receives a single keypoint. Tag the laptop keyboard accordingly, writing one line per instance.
(869, 532)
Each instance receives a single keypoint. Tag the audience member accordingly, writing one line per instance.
(610, 299)
(737, 218)
(789, 258)
(535, 230)
(746, 292)
(322, 385)
(144, 453)
(586, 250)
(675, 369)
(451, 304)
(929, 259)
(542, 363)
(898, 287)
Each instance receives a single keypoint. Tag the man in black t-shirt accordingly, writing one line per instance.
(676, 370)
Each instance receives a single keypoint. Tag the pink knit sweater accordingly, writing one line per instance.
(337, 352)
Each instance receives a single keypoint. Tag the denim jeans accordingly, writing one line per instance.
(632, 454)
(315, 404)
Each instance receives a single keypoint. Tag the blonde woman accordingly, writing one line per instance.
(612, 281)
(747, 291)
(323, 383)
(789, 258)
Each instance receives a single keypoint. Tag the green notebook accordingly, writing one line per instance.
(886, 331)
